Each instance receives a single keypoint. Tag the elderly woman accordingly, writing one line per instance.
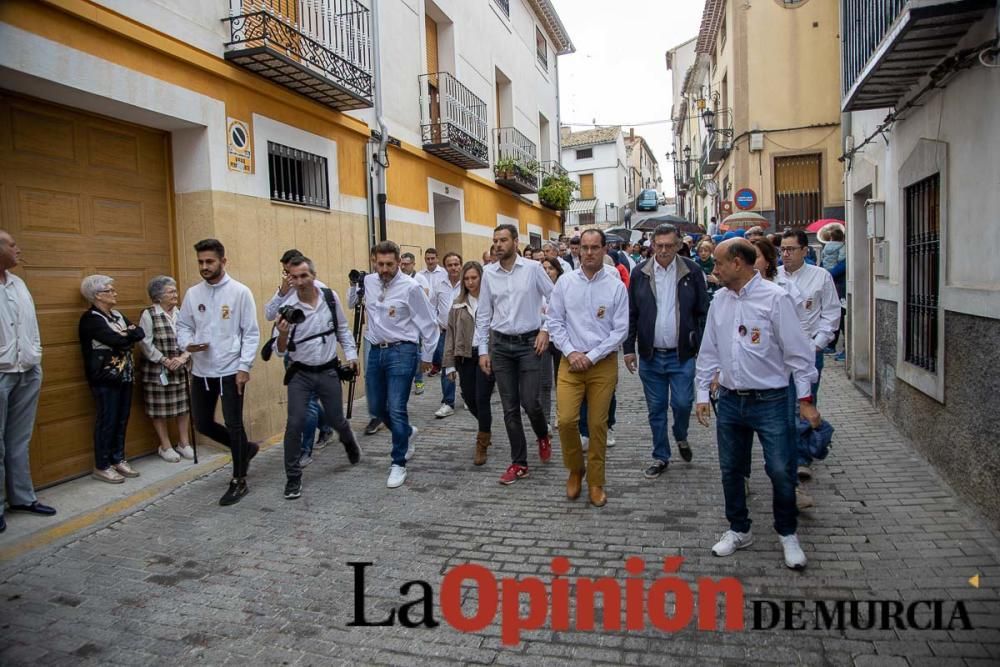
(164, 369)
(106, 340)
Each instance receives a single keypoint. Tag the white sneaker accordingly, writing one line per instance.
(444, 411)
(186, 451)
(169, 455)
(411, 449)
(732, 541)
(324, 440)
(794, 557)
(611, 437)
(397, 475)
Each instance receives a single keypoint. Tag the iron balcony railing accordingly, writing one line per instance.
(320, 48)
(453, 121)
(888, 46)
(552, 168)
(516, 166)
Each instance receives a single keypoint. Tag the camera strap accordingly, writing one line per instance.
(331, 303)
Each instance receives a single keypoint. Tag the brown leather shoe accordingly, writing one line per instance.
(574, 484)
(482, 443)
(597, 496)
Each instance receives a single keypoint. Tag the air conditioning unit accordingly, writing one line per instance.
(756, 141)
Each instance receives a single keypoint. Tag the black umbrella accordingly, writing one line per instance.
(682, 224)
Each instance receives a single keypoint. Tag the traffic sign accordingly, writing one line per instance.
(745, 199)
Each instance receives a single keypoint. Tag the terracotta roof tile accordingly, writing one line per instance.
(598, 135)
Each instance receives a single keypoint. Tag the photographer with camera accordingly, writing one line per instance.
(309, 324)
(314, 417)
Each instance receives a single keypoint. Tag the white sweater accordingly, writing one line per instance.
(224, 316)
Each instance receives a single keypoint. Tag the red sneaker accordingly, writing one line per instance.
(545, 449)
(514, 473)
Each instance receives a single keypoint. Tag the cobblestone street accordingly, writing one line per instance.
(184, 581)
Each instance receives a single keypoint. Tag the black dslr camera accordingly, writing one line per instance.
(357, 278)
(292, 315)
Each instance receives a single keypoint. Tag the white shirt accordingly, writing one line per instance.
(279, 300)
(433, 278)
(782, 281)
(820, 301)
(319, 351)
(425, 285)
(665, 329)
(510, 302)
(566, 266)
(223, 315)
(753, 339)
(400, 312)
(588, 315)
(20, 341)
(146, 324)
(443, 297)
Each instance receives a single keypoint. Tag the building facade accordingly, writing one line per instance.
(681, 61)
(923, 280)
(130, 130)
(768, 116)
(596, 160)
(643, 168)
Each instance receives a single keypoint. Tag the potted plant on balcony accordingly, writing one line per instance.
(557, 191)
(504, 168)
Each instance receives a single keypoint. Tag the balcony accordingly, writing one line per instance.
(551, 168)
(516, 167)
(453, 121)
(890, 45)
(319, 48)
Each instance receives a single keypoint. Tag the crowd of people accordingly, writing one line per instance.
(735, 324)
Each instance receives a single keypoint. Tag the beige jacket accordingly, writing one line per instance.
(458, 339)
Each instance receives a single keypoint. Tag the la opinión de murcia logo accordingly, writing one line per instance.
(548, 604)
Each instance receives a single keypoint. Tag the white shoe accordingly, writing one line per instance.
(444, 411)
(169, 455)
(324, 441)
(584, 442)
(794, 557)
(611, 438)
(730, 542)
(397, 475)
(411, 449)
(186, 451)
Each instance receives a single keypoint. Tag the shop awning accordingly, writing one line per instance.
(583, 206)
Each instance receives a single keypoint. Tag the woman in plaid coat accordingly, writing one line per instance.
(164, 370)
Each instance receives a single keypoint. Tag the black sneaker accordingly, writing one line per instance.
(293, 489)
(655, 470)
(685, 450)
(234, 493)
(373, 426)
(353, 450)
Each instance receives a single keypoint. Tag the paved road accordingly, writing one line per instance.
(183, 581)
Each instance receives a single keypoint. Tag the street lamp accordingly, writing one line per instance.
(687, 153)
(709, 117)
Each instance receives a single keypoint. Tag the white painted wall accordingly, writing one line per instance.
(609, 169)
(196, 22)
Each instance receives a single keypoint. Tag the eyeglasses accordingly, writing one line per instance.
(788, 250)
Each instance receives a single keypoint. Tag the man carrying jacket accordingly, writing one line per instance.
(668, 305)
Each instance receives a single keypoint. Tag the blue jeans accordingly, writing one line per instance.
(585, 429)
(765, 413)
(804, 459)
(667, 381)
(389, 373)
(447, 386)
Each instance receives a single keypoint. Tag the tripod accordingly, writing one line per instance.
(359, 318)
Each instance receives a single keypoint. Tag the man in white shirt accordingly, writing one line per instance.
(400, 318)
(434, 273)
(218, 326)
(20, 383)
(818, 292)
(551, 251)
(509, 325)
(311, 347)
(587, 320)
(753, 341)
(408, 265)
(443, 296)
(315, 417)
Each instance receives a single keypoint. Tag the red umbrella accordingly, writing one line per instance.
(820, 224)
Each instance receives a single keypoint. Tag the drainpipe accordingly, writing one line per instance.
(381, 157)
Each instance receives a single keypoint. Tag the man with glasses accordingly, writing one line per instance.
(669, 301)
(820, 304)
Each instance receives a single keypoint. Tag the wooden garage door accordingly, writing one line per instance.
(81, 195)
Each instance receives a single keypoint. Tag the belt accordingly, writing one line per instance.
(296, 367)
(755, 393)
(664, 349)
(383, 346)
(515, 338)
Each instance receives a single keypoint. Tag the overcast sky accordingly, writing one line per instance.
(618, 75)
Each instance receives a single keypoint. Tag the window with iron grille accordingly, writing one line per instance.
(588, 218)
(923, 262)
(584, 153)
(297, 177)
(541, 48)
